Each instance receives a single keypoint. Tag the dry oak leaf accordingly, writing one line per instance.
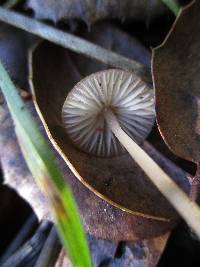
(176, 74)
(91, 11)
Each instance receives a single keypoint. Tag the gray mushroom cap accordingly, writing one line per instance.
(83, 113)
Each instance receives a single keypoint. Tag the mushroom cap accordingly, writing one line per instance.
(83, 113)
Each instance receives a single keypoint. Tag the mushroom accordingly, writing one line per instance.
(109, 113)
(84, 111)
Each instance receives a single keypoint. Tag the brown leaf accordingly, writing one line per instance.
(176, 68)
(93, 10)
(143, 253)
(154, 249)
(118, 181)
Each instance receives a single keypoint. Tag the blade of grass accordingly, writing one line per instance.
(41, 162)
(172, 5)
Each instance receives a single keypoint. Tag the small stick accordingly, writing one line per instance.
(21, 237)
(30, 250)
(188, 209)
(72, 42)
(50, 251)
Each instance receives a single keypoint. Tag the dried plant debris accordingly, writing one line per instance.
(14, 46)
(143, 253)
(176, 68)
(93, 10)
(101, 250)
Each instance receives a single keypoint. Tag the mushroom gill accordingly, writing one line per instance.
(129, 98)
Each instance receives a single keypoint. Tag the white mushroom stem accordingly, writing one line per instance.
(188, 209)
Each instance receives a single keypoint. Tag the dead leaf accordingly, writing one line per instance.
(101, 250)
(91, 11)
(99, 218)
(119, 181)
(143, 253)
(176, 68)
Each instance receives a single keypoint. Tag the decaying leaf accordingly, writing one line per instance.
(99, 218)
(119, 180)
(143, 253)
(61, 71)
(93, 10)
(176, 68)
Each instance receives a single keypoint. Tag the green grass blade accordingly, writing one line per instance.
(41, 162)
(172, 5)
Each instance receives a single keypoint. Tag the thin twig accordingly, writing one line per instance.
(50, 251)
(30, 249)
(21, 237)
(72, 42)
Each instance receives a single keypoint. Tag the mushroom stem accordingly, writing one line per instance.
(188, 209)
